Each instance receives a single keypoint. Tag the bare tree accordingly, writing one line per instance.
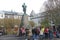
(52, 8)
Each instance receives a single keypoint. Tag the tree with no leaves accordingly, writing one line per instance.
(52, 8)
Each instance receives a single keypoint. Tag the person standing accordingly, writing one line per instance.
(46, 31)
(41, 33)
(23, 31)
(50, 34)
(33, 33)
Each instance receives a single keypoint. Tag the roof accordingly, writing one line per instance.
(12, 13)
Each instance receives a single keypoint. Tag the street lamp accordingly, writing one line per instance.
(16, 30)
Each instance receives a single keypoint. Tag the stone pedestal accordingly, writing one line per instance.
(25, 21)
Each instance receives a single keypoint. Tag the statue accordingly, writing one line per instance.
(24, 19)
(24, 8)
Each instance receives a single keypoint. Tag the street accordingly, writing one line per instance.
(12, 37)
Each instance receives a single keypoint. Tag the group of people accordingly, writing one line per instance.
(39, 32)
(42, 33)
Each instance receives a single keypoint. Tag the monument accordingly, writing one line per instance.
(24, 20)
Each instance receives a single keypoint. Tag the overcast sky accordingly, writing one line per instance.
(16, 5)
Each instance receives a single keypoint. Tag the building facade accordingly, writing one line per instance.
(35, 17)
(10, 14)
(2, 15)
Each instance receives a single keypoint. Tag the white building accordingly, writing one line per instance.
(36, 18)
(10, 14)
(2, 15)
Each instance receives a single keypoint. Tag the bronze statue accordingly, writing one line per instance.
(24, 8)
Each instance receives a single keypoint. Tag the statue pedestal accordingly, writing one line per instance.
(25, 21)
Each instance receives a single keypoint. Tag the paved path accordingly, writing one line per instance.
(13, 37)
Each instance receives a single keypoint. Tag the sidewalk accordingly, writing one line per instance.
(8, 36)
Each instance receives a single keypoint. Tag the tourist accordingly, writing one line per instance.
(41, 33)
(46, 32)
(23, 31)
(35, 33)
(50, 34)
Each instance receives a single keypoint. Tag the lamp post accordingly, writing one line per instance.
(16, 30)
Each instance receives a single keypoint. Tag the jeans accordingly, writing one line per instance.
(41, 37)
(51, 36)
(35, 37)
(46, 35)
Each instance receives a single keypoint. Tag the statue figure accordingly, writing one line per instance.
(24, 8)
